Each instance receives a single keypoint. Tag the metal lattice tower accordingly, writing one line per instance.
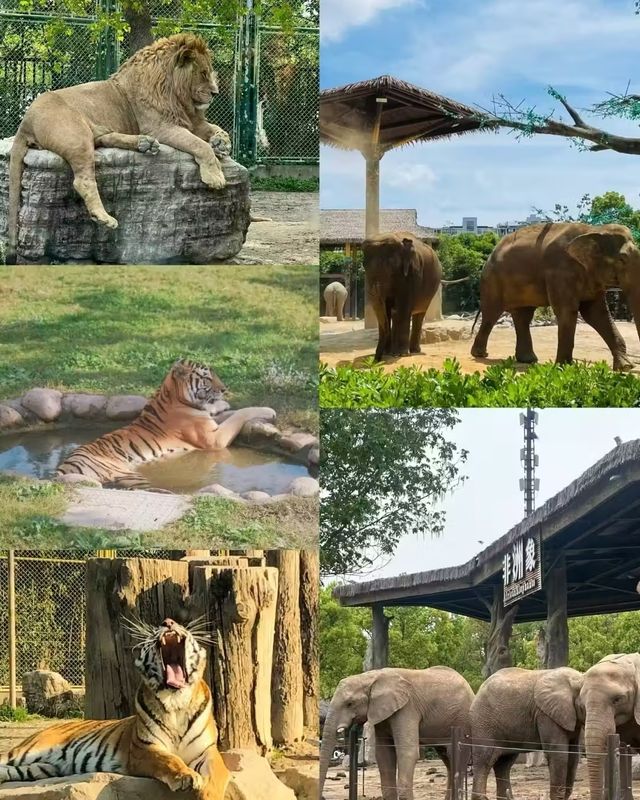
(529, 484)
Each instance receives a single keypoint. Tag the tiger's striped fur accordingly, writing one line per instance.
(178, 418)
(172, 737)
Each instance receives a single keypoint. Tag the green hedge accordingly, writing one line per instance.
(501, 385)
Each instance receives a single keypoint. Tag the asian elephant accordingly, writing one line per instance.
(565, 265)
(403, 275)
(610, 698)
(409, 708)
(335, 296)
(526, 709)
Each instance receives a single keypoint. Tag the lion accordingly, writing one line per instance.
(158, 96)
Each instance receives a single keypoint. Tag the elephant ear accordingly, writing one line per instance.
(555, 694)
(389, 693)
(408, 254)
(635, 660)
(591, 248)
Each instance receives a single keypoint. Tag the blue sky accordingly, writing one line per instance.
(472, 51)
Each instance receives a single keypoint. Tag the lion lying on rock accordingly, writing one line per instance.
(158, 96)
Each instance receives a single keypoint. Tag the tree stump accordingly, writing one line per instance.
(165, 213)
(309, 599)
(286, 682)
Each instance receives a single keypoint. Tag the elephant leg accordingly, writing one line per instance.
(573, 760)
(502, 771)
(490, 315)
(567, 318)
(444, 755)
(384, 327)
(596, 313)
(406, 738)
(558, 773)
(483, 760)
(340, 301)
(416, 332)
(400, 326)
(386, 761)
(524, 345)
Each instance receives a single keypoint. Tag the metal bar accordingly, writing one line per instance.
(13, 668)
(354, 740)
(626, 784)
(612, 782)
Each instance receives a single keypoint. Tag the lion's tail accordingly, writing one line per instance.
(16, 167)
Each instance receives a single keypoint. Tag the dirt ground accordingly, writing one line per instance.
(292, 237)
(343, 343)
(528, 783)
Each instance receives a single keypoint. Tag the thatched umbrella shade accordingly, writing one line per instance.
(379, 115)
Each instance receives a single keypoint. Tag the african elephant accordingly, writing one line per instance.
(531, 709)
(409, 708)
(335, 296)
(565, 265)
(610, 698)
(403, 274)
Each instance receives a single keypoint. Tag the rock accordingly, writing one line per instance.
(314, 457)
(49, 694)
(256, 497)
(99, 786)
(85, 406)
(9, 418)
(218, 490)
(44, 403)
(252, 778)
(297, 441)
(438, 333)
(75, 478)
(303, 781)
(304, 487)
(125, 406)
(159, 201)
(259, 429)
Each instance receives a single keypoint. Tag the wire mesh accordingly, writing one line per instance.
(51, 610)
(59, 43)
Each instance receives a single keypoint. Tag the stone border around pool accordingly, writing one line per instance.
(48, 407)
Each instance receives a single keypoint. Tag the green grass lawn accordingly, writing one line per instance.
(117, 330)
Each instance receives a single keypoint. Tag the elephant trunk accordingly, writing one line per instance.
(598, 725)
(329, 738)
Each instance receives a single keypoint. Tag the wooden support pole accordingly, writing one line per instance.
(557, 631)
(498, 654)
(626, 776)
(379, 637)
(372, 224)
(309, 599)
(458, 764)
(13, 666)
(354, 741)
(612, 779)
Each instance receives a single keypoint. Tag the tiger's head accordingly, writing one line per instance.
(195, 384)
(170, 657)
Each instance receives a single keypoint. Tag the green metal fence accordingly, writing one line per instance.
(268, 77)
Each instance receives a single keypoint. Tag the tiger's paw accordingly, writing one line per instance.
(4, 774)
(185, 781)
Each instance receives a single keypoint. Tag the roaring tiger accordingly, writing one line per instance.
(178, 418)
(172, 737)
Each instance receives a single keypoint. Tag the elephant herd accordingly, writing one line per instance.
(567, 266)
(514, 710)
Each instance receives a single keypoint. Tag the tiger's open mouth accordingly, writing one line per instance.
(173, 660)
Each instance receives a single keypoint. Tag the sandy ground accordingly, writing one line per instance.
(528, 783)
(293, 235)
(347, 342)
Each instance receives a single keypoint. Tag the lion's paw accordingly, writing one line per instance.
(105, 219)
(147, 144)
(221, 143)
(213, 176)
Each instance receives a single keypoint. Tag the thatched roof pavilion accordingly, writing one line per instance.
(590, 534)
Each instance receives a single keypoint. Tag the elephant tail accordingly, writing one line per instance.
(475, 320)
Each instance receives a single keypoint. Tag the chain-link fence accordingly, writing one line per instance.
(268, 77)
(50, 610)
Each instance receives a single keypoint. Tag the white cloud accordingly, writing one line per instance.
(339, 16)
(408, 176)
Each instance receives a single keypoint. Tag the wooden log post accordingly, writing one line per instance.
(309, 599)
(612, 771)
(498, 654)
(286, 681)
(240, 605)
(372, 224)
(557, 629)
(459, 760)
(379, 637)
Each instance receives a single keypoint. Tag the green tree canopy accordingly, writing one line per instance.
(382, 474)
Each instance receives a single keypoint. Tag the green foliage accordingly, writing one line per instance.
(334, 261)
(343, 640)
(277, 184)
(381, 472)
(608, 208)
(501, 385)
(8, 714)
(461, 256)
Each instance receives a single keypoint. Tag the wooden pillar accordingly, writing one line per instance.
(372, 222)
(498, 654)
(379, 637)
(557, 631)
(286, 682)
(309, 599)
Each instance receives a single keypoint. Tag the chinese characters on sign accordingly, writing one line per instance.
(522, 568)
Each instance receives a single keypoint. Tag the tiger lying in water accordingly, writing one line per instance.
(172, 737)
(178, 418)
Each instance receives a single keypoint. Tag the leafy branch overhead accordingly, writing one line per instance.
(383, 475)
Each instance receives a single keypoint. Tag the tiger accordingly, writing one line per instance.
(172, 736)
(178, 418)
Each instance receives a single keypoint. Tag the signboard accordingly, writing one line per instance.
(522, 569)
